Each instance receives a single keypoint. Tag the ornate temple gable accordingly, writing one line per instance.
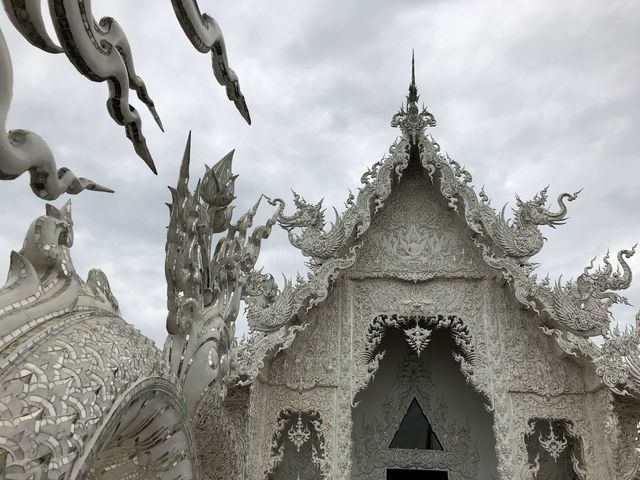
(417, 237)
(507, 244)
(573, 311)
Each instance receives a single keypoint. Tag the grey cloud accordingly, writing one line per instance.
(526, 94)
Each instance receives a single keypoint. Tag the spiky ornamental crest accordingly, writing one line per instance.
(413, 121)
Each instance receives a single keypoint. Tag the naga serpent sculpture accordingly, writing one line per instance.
(522, 238)
(22, 150)
(205, 35)
(314, 242)
(99, 50)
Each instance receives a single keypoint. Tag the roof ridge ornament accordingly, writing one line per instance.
(413, 122)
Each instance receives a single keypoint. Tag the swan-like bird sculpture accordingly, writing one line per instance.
(205, 35)
(99, 50)
(22, 150)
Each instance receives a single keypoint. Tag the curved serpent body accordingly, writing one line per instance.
(25, 151)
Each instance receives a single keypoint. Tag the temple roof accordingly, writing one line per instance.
(507, 245)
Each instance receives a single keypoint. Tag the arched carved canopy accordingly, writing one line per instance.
(298, 447)
(417, 330)
(457, 431)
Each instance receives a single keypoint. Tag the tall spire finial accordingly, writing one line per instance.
(413, 121)
(413, 90)
(413, 66)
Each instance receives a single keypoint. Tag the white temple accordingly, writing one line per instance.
(421, 344)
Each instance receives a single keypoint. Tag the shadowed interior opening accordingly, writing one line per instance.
(415, 431)
(397, 474)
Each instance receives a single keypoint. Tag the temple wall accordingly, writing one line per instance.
(517, 368)
(303, 378)
(418, 260)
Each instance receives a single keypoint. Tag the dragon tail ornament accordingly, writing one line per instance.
(99, 50)
(616, 361)
(25, 151)
(205, 35)
(204, 287)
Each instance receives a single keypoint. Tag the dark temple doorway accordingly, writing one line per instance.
(419, 418)
(396, 474)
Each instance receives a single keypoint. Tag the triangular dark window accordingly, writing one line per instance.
(415, 431)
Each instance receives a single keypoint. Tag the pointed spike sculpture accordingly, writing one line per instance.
(23, 150)
(180, 211)
(205, 35)
(246, 220)
(413, 96)
(183, 179)
(99, 50)
(204, 289)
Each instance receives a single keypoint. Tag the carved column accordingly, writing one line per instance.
(621, 437)
(341, 468)
(494, 313)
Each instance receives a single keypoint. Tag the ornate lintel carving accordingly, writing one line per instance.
(417, 330)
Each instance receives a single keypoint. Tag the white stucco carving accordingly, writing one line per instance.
(419, 290)
(99, 50)
(205, 35)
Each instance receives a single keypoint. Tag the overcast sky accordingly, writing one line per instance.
(526, 94)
